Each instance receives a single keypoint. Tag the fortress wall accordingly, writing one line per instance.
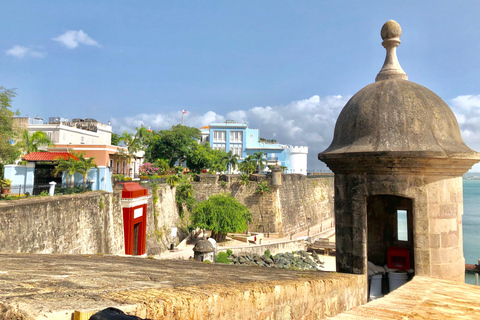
(286, 209)
(82, 223)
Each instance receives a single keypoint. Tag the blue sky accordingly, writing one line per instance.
(285, 67)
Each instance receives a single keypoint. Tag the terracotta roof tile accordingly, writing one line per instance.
(48, 156)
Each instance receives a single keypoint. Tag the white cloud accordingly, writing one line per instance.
(22, 52)
(72, 39)
(309, 122)
(467, 110)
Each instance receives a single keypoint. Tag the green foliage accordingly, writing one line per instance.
(267, 140)
(263, 187)
(244, 179)
(5, 183)
(115, 141)
(44, 193)
(8, 134)
(70, 166)
(229, 252)
(222, 257)
(32, 142)
(162, 165)
(284, 169)
(224, 183)
(84, 165)
(184, 196)
(101, 204)
(268, 254)
(247, 166)
(173, 180)
(172, 145)
(117, 177)
(221, 214)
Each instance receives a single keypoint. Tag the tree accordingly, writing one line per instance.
(143, 137)
(70, 166)
(260, 160)
(231, 161)
(173, 144)
(221, 214)
(115, 139)
(33, 142)
(84, 165)
(8, 151)
(199, 157)
(247, 166)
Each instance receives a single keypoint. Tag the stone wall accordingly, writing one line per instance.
(290, 208)
(83, 223)
(93, 222)
(162, 216)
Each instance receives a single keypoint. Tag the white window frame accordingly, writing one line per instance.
(236, 136)
(219, 136)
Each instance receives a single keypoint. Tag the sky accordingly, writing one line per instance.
(284, 67)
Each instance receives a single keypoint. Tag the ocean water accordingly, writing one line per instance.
(471, 224)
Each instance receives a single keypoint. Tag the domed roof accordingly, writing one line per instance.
(396, 117)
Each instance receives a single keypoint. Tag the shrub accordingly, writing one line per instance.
(127, 179)
(267, 253)
(229, 252)
(221, 213)
(222, 257)
(148, 169)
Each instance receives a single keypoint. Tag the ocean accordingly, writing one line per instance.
(471, 224)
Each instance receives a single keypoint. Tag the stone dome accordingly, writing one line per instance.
(395, 117)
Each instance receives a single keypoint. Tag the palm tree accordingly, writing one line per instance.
(231, 160)
(261, 162)
(70, 166)
(32, 142)
(84, 166)
(247, 166)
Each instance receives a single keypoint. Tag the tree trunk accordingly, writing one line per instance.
(218, 236)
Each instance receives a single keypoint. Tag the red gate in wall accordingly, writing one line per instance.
(134, 206)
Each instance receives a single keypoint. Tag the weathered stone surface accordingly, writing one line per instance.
(287, 209)
(422, 298)
(84, 223)
(53, 286)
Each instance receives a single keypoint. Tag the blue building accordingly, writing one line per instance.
(244, 141)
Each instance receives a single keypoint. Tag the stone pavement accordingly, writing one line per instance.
(50, 286)
(422, 298)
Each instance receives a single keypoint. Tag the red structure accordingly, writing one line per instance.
(398, 258)
(134, 206)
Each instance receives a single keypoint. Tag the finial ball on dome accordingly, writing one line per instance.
(391, 30)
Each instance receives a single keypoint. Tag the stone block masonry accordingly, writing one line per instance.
(81, 223)
(162, 289)
(298, 203)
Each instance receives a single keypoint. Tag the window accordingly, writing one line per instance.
(64, 137)
(219, 136)
(402, 227)
(251, 137)
(124, 166)
(236, 136)
(49, 134)
(219, 147)
(237, 150)
(118, 167)
(82, 139)
(111, 163)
